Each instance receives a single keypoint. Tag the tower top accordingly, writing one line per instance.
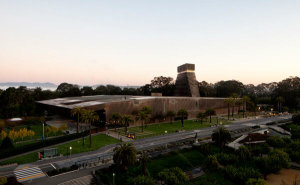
(186, 68)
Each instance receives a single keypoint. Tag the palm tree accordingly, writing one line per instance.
(144, 115)
(221, 136)
(144, 158)
(116, 118)
(90, 116)
(171, 114)
(246, 100)
(125, 155)
(183, 114)
(210, 112)
(229, 101)
(239, 102)
(280, 100)
(126, 120)
(235, 98)
(77, 112)
(201, 116)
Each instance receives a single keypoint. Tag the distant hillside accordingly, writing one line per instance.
(46, 85)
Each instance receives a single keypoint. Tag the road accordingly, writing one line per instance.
(145, 143)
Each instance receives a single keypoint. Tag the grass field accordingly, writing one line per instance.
(77, 147)
(160, 128)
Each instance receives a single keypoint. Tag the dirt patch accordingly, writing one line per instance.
(284, 177)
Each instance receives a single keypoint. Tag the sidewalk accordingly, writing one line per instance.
(118, 136)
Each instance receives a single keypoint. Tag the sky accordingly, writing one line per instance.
(129, 42)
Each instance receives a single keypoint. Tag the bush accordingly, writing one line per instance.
(173, 176)
(273, 162)
(276, 141)
(142, 180)
(205, 148)
(243, 153)
(260, 149)
(240, 175)
(6, 144)
(252, 181)
(3, 180)
(293, 149)
(41, 144)
(296, 119)
(62, 170)
(226, 159)
(211, 164)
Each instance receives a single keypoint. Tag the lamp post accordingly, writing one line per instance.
(114, 178)
(70, 151)
(45, 115)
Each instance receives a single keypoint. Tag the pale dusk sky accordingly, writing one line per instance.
(130, 42)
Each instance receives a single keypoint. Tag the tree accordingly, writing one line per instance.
(144, 158)
(279, 100)
(142, 180)
(171, 114)
(183, 114)
(63, 127)
(48, 130)
(144, 115)
(234, 102)
(6, 144)
(68, 90)
(221, 136)
(2, 124)
(126, 120)
(162, 84)
(3, 180)
(296, 119)
(3, 134)
(54, 130)
(246, 100)
(211, 164)
(87, 91)
(125, 155)
(31, 133)
(227, 88)
(228, 101)
(173, 176)
(77, 112)
(210, 112)
(90, 116)
(201, 116)
(23, 133)
(116, 118)
(13, 135)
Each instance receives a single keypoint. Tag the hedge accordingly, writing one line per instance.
(41, 144)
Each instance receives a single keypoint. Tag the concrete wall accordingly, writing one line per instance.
(161, 105)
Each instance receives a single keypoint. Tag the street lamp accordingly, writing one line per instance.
(114, 178)
(45, 115)
(70, 151)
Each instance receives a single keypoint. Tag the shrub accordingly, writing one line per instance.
(276, 141)
(3, 180)
(211, 164)
(41, 144)
(240, 175)
(252, 181)
(205, 148)
(226, 159)
(221, 136)
(173, 176)
(62, 170)
(142, 180)
(6, 144)
(293, 149)
(243, 153)
(260, 149)
(296, 119)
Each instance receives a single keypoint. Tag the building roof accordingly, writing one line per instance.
(88, 101)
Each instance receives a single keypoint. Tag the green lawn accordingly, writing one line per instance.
(159, 129)
(77, 147)
(98, 141)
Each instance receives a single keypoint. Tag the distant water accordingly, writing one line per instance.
(30, 87)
